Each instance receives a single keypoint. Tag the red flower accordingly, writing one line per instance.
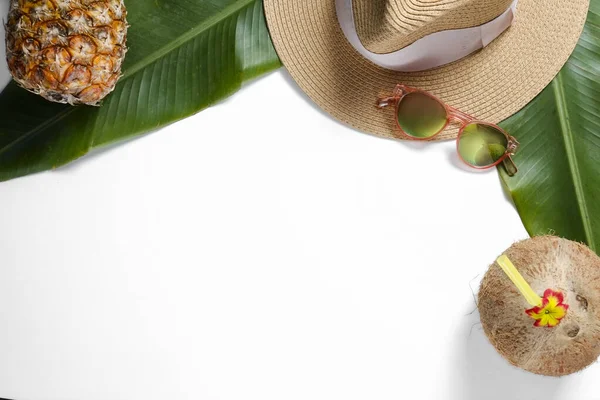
(551, 311)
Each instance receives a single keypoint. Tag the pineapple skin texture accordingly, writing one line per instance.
(67, 51)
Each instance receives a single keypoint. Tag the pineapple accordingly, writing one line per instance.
(68, 51)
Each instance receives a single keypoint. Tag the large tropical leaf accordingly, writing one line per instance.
(557, 188)
(184, 55)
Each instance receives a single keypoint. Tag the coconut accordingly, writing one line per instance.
(546, 262)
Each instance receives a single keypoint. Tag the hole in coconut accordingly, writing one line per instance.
(572, 331)
(583, 301)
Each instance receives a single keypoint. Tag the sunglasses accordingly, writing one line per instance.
(421, 116)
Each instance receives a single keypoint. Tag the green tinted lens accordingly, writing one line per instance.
(421, 116)
(482, 145)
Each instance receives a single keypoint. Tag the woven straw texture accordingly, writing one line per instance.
(491, 84)
(384, 26)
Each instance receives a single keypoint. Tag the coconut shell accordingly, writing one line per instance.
(546, 262)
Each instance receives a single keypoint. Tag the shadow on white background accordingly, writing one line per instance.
(482, 374)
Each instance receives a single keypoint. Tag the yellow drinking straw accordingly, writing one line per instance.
(511, 271)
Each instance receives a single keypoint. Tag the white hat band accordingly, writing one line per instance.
(430, 51)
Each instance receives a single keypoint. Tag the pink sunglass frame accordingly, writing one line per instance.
(452, 115)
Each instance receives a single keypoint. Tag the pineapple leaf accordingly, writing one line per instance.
(184, 55)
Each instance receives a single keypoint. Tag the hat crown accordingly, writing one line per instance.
(385, 26)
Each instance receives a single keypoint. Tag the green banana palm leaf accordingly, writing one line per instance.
(184, 55)
(557, 189)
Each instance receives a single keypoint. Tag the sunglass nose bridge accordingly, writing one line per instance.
(459, 116)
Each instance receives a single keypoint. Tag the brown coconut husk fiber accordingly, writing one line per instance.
(546, 262)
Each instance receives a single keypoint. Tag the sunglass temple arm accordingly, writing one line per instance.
(399, 91)
(386, 101)
(509, 164)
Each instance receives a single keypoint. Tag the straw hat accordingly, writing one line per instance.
(488, 58)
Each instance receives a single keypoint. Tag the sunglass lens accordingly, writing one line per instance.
(481, 145)
(421, 116)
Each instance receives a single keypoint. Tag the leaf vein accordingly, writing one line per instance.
(567, 133)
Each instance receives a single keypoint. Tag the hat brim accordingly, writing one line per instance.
(491, 84)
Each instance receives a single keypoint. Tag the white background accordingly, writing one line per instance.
(259, 250)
